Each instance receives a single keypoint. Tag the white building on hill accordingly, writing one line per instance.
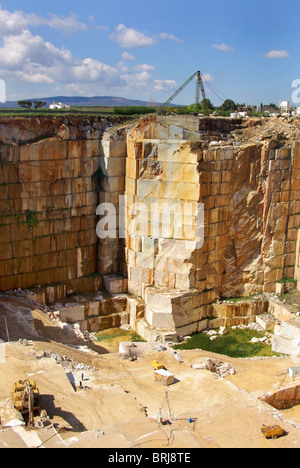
(58, 105)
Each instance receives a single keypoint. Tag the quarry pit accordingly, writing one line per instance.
(99, 230)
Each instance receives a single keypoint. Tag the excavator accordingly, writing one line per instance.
(26, 398)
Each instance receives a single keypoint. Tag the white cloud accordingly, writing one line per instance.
(277, 54)
(68, 24)
(11, 23)
(171, 37)
(145, 67)
(164, 85)
(128, 38)
(123, 67)
(93, 70)
(15, 22)
(223, 48)
(33, 77)
(141, 79)
(207, 78)
(28, 58)
(127, 56)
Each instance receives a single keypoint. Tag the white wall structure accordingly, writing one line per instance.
(58, 105)
(285, 107)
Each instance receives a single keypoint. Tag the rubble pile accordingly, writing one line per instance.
(220, 368)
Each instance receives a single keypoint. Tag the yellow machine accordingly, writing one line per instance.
(26, 397)
(157, 365)
(272, 432)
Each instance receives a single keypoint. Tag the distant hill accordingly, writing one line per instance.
(79, 101)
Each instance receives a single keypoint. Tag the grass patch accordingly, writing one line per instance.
(110, 335)
(235, 344)
(239, 299)
(287, 280)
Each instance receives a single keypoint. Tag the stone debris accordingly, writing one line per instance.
(178, 357)
(266, 321)
(220, 368)
(211, 332)
(66, 362)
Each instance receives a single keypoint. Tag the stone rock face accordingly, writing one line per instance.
(284, 399)
(250, 196)
(287, 340)
(183, 210)
(49, 193)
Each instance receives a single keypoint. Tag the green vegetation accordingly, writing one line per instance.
(31, 219)
(98, 177)
(235, 344)
(239, 299)
(34, 108)
(206, 108)
(287, 280)
(30, 104)
(134, 110)
(112, 337)
(229, 106)
(131, 336)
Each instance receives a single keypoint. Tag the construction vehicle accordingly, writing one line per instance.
(272, 432)
(156, 365)
(26, 398)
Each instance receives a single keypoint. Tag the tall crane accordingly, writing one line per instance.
(199, 86)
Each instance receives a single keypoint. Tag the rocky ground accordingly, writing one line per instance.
(106, 400)
(256, 129)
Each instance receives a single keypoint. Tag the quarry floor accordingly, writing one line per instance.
(121, 399)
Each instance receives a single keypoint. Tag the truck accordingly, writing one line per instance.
(156, 365)
(272, 432)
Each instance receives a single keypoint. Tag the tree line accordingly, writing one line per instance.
(31, 105)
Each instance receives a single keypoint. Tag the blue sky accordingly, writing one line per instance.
(247, 50)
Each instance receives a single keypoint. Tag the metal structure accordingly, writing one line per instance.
(26, 398)
(199, 86)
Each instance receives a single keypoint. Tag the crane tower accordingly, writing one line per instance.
(199, 87)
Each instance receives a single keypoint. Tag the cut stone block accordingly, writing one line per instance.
(72, 314)
(92, 309)
(115, 284)
(164, 377)
(55, 293)
(266, 321)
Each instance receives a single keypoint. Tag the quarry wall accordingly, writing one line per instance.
(49, 193)
(250, 193)
(55, 174)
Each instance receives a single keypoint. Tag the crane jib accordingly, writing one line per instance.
(199, 86)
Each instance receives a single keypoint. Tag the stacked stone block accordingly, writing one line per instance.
(50, 189)
(112, 164)
(48, 201)
(249, 192)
